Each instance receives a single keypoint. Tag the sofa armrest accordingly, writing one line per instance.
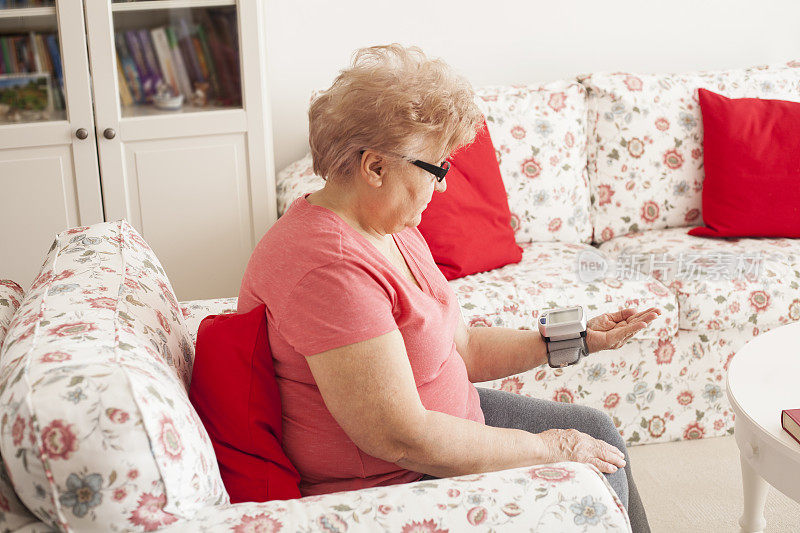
(194, 311)
(555, 497)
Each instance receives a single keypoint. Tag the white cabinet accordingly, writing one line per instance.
(197, 182)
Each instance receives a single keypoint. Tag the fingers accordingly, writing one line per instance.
(603, 466)
(620, 335)
(622, 314)
(648, 315)
(611, 454)
(607, 458)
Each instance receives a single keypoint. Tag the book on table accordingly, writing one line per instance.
(790, 422)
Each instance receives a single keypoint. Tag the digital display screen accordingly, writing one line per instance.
(561, 317)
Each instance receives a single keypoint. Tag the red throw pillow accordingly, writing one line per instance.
(752, 164)
(236, 395)
(468, 227)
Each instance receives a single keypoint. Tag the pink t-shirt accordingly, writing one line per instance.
(325, 286)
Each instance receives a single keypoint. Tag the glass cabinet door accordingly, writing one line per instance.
(176, 56)
(31, 68)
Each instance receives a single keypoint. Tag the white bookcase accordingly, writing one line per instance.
(197, 182)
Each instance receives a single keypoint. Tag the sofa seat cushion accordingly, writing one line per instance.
(645, 142)
(93, 380)
(513, 296)
(763, 291)
(539, 135)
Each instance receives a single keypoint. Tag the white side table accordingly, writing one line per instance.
(763, 379)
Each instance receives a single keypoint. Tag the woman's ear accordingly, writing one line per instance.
(372, 168)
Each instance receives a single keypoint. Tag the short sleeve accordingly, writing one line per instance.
(335, 305)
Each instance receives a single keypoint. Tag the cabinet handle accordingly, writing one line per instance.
(81, 133)
(109, 133)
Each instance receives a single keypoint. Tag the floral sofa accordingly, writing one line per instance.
(97, 432)
(606, 171)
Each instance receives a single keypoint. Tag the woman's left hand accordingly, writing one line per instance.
(610, 331)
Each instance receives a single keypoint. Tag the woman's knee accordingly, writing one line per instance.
(599, 425)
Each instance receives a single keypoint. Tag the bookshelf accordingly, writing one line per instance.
(191, 178)
(31, 81)
(149, 5)
(26, 13)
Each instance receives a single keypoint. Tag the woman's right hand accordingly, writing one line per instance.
(572, 445)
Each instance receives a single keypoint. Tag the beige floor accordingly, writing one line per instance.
(696, 486)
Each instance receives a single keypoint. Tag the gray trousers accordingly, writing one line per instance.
(509, 410)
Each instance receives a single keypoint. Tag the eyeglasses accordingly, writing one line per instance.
(440, 171)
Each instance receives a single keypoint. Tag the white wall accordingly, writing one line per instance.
(505, 41)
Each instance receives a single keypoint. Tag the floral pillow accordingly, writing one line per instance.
(645, 146)
(539, 134)
(97, 426)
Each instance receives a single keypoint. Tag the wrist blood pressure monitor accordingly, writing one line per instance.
(564, 332)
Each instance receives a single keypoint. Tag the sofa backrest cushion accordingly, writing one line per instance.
(236, 395)
(295, 181)
(645, 146)
(539, 135)
(98, 428)
(13, 514)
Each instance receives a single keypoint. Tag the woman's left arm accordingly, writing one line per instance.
(495, 353)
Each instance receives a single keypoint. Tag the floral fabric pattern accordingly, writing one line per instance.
(547, 277)
(194, 311)
(95, 424)
(539, 136)
(296, 180)
(13, 514)
(655, 390)
(556, 497)
(10, 297)
(763, 294)
(663, 387)
(645, 145)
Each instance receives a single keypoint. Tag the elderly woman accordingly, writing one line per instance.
(374, 362)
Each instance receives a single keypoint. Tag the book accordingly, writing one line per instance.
(129, 69)
(189, 54)
(161, 45)
(790, 422)
(150, 57)
(125, 96)
(203, 39)
(37, 60)
(177, 60)
(143, 73)
(227, 94)
(58, 75)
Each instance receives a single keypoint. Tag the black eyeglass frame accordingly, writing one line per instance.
(440, 171)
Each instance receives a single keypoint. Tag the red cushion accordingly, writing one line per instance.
(752, 164)
(468, 227)
(236, 395)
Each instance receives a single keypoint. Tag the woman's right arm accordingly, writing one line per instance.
(369, 389)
